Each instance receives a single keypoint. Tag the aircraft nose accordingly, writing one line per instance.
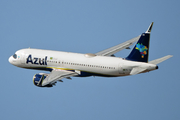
(10, 59)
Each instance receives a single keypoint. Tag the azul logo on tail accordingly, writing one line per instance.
(142, 49)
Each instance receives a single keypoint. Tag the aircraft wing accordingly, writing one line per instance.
(56, 75)
(117, 48)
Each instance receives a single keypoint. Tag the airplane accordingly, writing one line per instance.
(104, 63)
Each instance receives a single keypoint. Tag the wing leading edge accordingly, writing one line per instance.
(111, 51)
(57, 75)
(117, 48)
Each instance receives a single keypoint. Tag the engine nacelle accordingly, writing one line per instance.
(38, 79)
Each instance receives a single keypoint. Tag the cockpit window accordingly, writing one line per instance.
(14, 56)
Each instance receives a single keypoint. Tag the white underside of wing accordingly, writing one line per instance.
(56, 75)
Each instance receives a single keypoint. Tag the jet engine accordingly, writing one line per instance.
(38, 79)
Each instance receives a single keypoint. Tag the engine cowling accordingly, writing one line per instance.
(38, 79)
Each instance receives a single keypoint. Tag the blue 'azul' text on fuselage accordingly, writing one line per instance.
(37, 61)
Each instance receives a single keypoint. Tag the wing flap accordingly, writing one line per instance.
(117, 48)
(57, 75)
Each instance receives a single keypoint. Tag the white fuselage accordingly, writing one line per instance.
(83, 64)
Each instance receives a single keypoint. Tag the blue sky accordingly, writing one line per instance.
(88, 27)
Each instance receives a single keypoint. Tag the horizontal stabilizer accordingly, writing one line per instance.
(137, 70)
(157, 61)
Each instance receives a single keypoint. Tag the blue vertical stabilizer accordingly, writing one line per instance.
(140, 51)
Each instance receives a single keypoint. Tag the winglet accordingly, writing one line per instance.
(150, 28)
